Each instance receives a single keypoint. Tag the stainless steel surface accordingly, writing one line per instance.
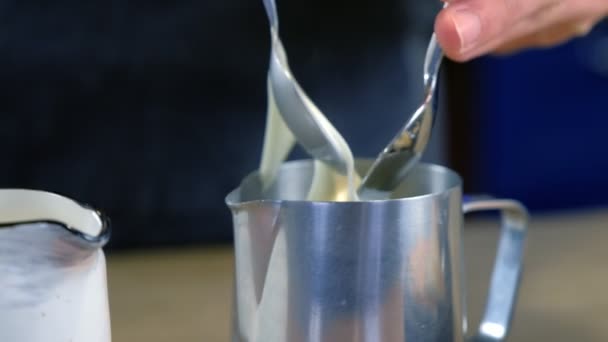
(506, 276)
(406, 148)
(188, 292)
(363, 271)
(312, 130)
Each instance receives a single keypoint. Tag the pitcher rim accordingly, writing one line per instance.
(232, 200)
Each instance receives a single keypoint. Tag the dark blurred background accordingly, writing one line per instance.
(152, 111)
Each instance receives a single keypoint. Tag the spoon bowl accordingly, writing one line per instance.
(406, 148)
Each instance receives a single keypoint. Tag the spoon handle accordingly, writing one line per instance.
(432, 63)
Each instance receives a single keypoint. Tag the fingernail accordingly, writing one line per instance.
(468, 27)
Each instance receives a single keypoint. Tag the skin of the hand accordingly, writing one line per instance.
(467, 29)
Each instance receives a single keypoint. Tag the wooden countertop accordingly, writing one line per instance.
(185, 295)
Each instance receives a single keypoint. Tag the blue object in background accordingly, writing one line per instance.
(542, 125)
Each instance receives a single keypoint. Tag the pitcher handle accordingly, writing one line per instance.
(508, 266)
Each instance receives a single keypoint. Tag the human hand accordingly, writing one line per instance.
(470, 28)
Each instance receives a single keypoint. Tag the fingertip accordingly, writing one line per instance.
(448, 36)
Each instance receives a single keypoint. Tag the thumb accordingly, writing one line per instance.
(468, 28)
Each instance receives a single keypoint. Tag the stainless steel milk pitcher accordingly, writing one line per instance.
(388, 270)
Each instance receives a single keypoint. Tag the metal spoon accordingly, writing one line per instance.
(406, 148)
(310, 127)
